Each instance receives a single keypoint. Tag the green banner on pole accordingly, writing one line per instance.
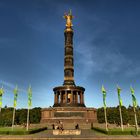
(1, 93)
(104, 96)
(133, 97)
(29, 96)
(15, 91)
(119, 96)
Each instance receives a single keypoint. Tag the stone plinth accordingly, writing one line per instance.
(69, 115)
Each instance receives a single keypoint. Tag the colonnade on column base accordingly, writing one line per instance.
(69, 96)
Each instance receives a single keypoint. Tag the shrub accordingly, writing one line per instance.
(115, 132)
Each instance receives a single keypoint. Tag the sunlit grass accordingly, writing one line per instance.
(120, 129)
(10, 129)
(20, 130)
(117, 131)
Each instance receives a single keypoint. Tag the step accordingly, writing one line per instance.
(71, 125)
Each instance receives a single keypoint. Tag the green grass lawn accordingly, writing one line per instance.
(116, 131)
(10, 129)
(19, 130)
(119, 129)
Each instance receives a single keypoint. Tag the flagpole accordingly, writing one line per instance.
(15, 91)
(134, 108)
(120, 104)
(105, 119)
(0, 111)
(29, 105)
(0, 103)
(104, 102)
(13, 118)
(136, 123)
(27, 128)
(121, 117)
(1, 93)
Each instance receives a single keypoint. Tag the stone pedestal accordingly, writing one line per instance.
(69, 115)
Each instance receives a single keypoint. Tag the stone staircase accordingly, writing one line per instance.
(71, 125)
(85, 129)
(85, 133)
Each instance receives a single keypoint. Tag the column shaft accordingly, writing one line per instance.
(83, 97)
(71, 96)
(60, 97)
(57, 100)
(76, 99)
(66, 97)
(55, 97)
(80, 97)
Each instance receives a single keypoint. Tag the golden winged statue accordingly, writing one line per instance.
(68, 18)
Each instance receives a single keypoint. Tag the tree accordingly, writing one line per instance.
(113, 115)
(35, 115)
(100, 115)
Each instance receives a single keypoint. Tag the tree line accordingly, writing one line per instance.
(20, 116)
(113, 115)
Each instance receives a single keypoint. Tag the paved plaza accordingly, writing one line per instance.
(86, 134)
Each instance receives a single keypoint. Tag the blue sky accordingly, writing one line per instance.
(106, 49)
